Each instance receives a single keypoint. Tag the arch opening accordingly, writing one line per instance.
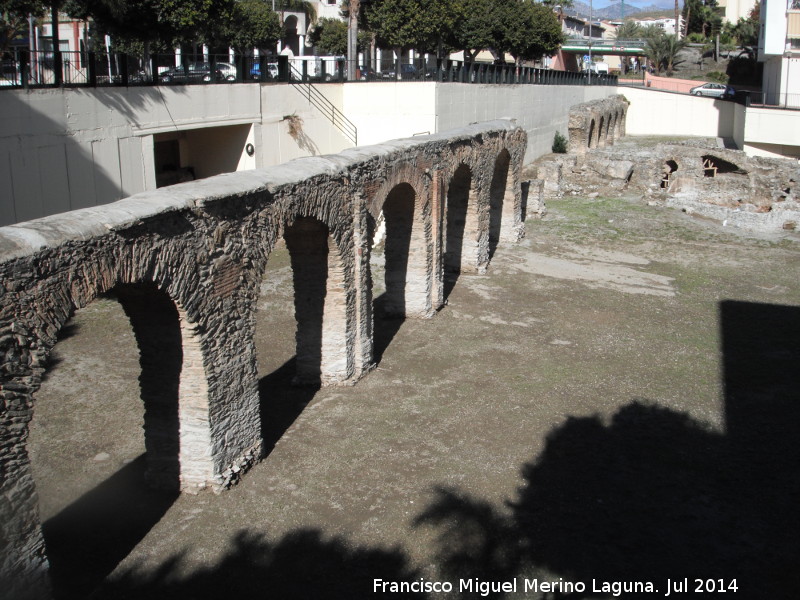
(501, 202)
(713, 166)
(301, 332)
(462, 228)
(320, 303)
(590, 141)
(106, 471)
(669, 168)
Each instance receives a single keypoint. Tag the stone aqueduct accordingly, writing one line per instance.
(597, 124)
(186, 263)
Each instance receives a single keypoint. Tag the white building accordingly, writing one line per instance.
(779, 50)
(733, 10)
(665, 23)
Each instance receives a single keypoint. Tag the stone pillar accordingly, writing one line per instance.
(437, 217)
(363, 350)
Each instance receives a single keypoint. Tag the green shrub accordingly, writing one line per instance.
(697, 38)
(559, 143)
(717, 76)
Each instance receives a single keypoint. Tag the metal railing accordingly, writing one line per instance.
(772, 100)
(91, 69)
(325, 106)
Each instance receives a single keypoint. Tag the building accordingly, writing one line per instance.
(733, 10)
(779, 50)
(665, 23)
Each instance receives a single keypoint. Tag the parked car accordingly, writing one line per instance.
(228, 71)
(406, 72)
(368, 74)
(713, 90)
(271, 71)
(194, 72)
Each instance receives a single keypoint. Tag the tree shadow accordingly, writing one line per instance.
(87, 540)
(281, 401)
(654, 494)
(301, 565)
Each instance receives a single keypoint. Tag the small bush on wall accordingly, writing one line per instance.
(559, 143)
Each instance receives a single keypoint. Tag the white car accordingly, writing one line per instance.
(228, 71)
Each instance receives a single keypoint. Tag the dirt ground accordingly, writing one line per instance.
(616, 400)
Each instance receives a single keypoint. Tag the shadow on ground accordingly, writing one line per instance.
(302, 565)
(650, 495)
(653, 494)
(87, 540)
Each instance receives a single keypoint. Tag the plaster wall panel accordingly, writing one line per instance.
(80, 170)
(55, 183)
(131, 165)
(107, 183)
(26, 188)
(6, 198)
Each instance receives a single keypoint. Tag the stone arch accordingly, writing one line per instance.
(462, 226)
(591, 141)
(324, 351)
(173, 389)
(502, 199)
(408, 275)
(403, 203)
(173, 381)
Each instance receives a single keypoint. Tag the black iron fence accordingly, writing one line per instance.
(93, 69)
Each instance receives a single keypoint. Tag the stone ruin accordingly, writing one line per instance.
(696, 175)
(186, 262)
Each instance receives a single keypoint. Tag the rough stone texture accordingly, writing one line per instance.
(696, 176)
(186, 263)
(597, 124)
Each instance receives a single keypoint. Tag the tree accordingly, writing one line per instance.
(523, 28)
(476, 27)
(14, 18)
(253, 25)
(162, 23)
(330, 36)
(629, 30)
(420, 24)
(662, 51)
(745, 31)
(532, 30)
(701, 17)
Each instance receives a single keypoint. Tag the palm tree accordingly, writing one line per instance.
(662, 51)
(629, 30)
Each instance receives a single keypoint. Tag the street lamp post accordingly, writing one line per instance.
(591, 16)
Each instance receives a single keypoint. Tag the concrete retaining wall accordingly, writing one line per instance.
(67, 149)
